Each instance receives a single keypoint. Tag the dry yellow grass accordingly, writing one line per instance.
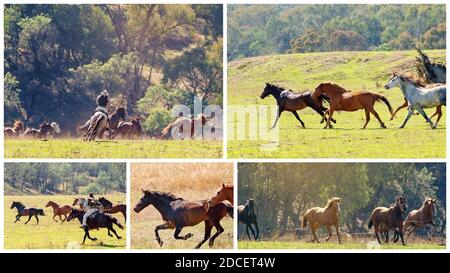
(191, 181)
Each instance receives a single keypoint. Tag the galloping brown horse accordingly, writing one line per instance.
(420, 217)
(343, 100)
(181, 124)
(327, 216)
(223, 193)
(16, 130)
(383, 219)
(129, 129)
(178, 213)
(109, 207)
(59, 210)
(44, 129)
(114, 119)
(293, 102)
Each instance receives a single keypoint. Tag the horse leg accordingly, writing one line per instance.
(410, 112)
(378, 118)
(367, 118)
(29, 218)
(86, 231)
(386, 235)
(114, 231)
(329, 234)
(338, 234)
(54, 215)
(280, 110)
(60, 218)
(248, 233)
(177, 236)
(330, 115)
(298, 118)
(252, 230)
(405, 104)
(17, 218)
(315, 235)
(219, 230)
(257, 230)
(422, 112)
(208, 228)
(400, 232)
(376, 234)
(158, 239)
(438, 113)
(37, 219)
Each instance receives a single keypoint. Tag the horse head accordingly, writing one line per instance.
(431, 205)
(394, 81)
(400, 202)
(147, 199)
(50, 204)
(221, 194)
(334, 203)
(74, 213)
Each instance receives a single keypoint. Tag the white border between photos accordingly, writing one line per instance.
(221, 160)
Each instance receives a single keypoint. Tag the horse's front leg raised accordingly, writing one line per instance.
(17, 218)
(159, 227)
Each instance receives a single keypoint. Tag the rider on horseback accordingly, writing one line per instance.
(92, 202)
(102, 102)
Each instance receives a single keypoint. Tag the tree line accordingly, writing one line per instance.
(255, 30)
(284, 191)
(58, 58)
(64, 178)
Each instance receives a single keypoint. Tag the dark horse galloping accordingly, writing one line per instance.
(247, 216)
(292, 102)
(110, 208)
(22, 211)
(114, 119)
(95, 221)
(178, 213)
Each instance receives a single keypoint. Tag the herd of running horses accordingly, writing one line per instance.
(101, 219)
(417, 96)
(382, 219)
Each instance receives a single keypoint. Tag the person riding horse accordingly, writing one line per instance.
(94, 208)
(102, 104)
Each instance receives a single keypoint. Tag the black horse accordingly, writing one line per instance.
(105, 203)
(292, 102)
(114, 119)
(247, 216)
(22, 211)
(95, 221)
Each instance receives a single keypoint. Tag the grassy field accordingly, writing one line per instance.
(362, 243)
(191, 181)
(76, 148)
(352, 70)
(52, 235)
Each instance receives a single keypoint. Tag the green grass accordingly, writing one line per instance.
(352, 70)
(347, 245)
(55, 235)
(76, 148)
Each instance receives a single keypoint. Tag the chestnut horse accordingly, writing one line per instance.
(129, 129)
(293, 102)
(421, 217)
(223, 193)
(59, 210)
(383, 219)
(343, 100)
(178, 127)
(178, 213)
(16, 130)
(44, 129)
(327, 216)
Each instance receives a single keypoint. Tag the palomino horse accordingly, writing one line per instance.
(95, 221)
(17, 129)
(181, 127)
(293, 102)
(223, 193)
(22, 211)
(419, 97)
(383, 219)
(59, 210)
(98, 124)
(129, 129)
(421, 217)
(114, 119)
(343, 100)
(327, 216)
(112, 209)
(247, 216)
(178, 213)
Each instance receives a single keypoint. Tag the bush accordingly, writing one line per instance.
(157, 119)
(92, 187)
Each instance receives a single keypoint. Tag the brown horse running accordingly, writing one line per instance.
(59, 210)
(293, 102)
(114, 119)
(17, 129)
(181, 124)
(44, 129)
(421, 217)
(129, 129)
(343, 100)
(112, 209)
(178, 213)
(383, 219)
(223, 193)
(327, 216)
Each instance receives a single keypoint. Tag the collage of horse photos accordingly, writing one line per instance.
(122, 133)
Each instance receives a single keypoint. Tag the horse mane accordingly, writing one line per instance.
(338, 87)
(330, 201)
(280, 88)
(416, 83)
(19, 204)
(168, 195)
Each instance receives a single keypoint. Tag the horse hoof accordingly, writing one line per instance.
(211, 244)
(118, 237)
(94, 239)
(160, 243)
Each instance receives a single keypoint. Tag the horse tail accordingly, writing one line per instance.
(114, 220)
(230, 210)
(166, 130)
(383, 99)
(305, 219)
(370, 225)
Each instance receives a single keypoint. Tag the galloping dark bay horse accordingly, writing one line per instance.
(247, 216)
(95, 221)
(293, 102)
(178, 213)
(109, 207)
(114, 119)
(22, 211)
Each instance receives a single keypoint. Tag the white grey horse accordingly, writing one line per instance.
(418, 97)
(98, 124)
